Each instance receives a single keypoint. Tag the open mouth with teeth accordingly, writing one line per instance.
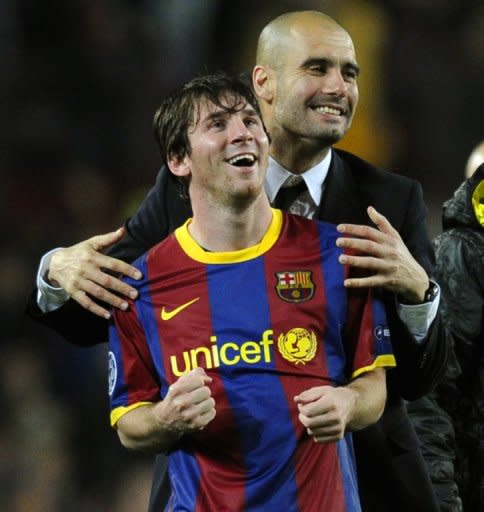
(324, 109)
(244, 160)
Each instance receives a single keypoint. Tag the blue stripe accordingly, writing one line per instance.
(119, 396)
(335, 293)
(184, 474)
(381, 330)
(337, 306)
(180, 462)
(240, 313)
(347, 464)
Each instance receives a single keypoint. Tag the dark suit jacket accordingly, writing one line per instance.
(390, 469)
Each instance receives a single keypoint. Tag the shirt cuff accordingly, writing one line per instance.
(419, 317)
(49, 298)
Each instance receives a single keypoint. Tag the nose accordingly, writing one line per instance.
(239, 131)
(334, 83)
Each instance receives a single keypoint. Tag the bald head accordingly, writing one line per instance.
(305, 79)
(278, 37)
(476, 158)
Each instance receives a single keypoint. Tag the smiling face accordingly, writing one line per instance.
(311, 89)
(228, 153)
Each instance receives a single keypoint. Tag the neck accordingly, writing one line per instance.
(295, 153)
(222, 229)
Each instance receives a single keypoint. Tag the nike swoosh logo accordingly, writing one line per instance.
(168, 315)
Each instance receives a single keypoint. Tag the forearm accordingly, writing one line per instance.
(328, 412)
(420, 366)
(187, 407)
(49, 296)
(71, 321)
(368, 394)
(141, 430)
(418, 318)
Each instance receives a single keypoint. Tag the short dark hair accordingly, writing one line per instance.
(178, 111)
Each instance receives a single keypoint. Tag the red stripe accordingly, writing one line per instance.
(360, 323)
(138, 369)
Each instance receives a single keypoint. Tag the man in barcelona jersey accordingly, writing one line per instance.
(244, 358)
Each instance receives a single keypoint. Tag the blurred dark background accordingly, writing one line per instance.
(79, 83)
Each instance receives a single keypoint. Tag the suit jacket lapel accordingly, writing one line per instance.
(340, 201)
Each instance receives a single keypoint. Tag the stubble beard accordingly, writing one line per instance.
(330, 137)
(321, 133)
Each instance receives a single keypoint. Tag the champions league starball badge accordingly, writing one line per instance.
(112, 372)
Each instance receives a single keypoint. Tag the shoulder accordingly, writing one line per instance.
(399, 198)
(365, 172)
(158, 253)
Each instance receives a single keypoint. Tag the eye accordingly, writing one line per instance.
(251, 121)
(350, 74)
(317, 69)
(217, 124)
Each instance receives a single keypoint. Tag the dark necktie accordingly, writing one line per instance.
(294, 197)
(288, 194)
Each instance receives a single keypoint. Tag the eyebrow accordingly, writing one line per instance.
(248, 111)
(320, 61)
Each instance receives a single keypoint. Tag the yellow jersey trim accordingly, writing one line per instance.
(199, 254)
(385, 361)
(119, 412)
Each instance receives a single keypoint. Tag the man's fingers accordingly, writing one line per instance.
(206, 406)
(311, 394)
(314, 409)
(104, 295)
(327, 437)
(116, 266)
(383, 227)
(366, 262)
(102, 242)
(207, 417)
(367, 282)
(200, 395)
(362, 245)
(380, 221)
(87, 303)
(359, 231)
(191, 399)
(307, 396)
(199, 415)
(111, 283)
(196, 378)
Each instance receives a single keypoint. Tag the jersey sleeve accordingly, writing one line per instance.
(367, 333)
(132, 380)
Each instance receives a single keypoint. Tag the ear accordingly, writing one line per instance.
(263, 82)
(179, 166)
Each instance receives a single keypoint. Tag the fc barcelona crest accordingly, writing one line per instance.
(295, 286)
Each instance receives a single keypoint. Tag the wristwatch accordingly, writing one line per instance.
(431, 292)
(429, 295)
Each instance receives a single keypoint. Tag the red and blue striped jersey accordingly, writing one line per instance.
(266, 323)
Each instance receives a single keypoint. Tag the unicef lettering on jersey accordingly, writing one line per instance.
(298, 346)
